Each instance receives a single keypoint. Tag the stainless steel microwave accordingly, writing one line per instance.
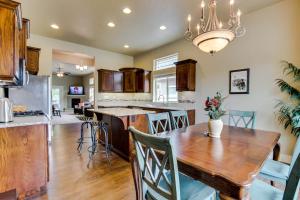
(21, 77)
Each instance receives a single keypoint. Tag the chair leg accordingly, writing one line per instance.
(80, 140)
(107, 151)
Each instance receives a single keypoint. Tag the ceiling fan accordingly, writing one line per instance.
(60, 73)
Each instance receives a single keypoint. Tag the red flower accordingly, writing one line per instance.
(215, 102)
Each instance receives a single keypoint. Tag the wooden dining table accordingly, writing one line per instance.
(230, 163)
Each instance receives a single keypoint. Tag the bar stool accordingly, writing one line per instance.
(87, 121)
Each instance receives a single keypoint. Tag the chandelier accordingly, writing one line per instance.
(81, 67)
(60, 73)
(212, 35)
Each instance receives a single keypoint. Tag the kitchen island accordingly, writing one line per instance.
(118, 120)
(24, 156)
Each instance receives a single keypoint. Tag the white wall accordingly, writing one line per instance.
(273, 34)
(103, 59)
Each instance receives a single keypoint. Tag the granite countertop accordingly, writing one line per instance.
(121, 112)
(145, 104)
(26, 121)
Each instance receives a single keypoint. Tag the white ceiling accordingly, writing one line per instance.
(70, 68)
(85, 21)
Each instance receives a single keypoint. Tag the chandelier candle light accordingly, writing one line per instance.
(212, 36)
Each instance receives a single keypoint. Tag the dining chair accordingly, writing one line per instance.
(261, 190)
(246, 118)
(159, 122)
(179, 119)
(166, 182)
(278, 171)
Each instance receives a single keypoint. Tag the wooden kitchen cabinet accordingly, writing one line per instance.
(129, 82)
(136, 80)
(143, 81)
(186, 75)
(33, 58)
(118, 81)
(24, 159)
(23, 36)
(110, 81)
(10, 25)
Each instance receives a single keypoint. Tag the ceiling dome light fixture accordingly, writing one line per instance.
(211, 35)
(126, 10)
(111, 24)
(54, 26)
(162, 27)
(126, 46)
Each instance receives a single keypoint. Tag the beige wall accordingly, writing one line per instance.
(86, 84)
(273, 34)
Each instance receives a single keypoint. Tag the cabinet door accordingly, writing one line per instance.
(129, 81)
(143, 81)
(9, 40)
(181, 77)
(23, 36)
(33, 57)
(118, 82)
(106, 81)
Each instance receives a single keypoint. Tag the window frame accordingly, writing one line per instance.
(155, 97)
(155, 61)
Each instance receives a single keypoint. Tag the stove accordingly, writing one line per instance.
(29, 113)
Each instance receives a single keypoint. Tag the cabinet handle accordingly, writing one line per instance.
(27, 77)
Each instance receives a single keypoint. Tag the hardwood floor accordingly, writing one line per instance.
(71, 179)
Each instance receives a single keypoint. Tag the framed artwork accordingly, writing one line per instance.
(239, 81)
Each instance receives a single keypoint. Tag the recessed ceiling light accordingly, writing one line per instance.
(111, 24)
(162, 27)
(126, 10)
(126, 46)
(54, 26)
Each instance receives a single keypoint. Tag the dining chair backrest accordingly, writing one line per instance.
(244, 119)
(159, 122)
(146, 146)
(292, 187)
(179, 119)
(295, 153)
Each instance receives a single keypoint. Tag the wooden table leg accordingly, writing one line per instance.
(276, 152)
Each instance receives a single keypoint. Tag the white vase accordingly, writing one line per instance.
(215, 128)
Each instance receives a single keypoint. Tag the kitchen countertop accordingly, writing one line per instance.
(121, 112)
(26, 121)
(147, 104)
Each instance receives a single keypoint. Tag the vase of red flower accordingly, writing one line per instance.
(215, 112)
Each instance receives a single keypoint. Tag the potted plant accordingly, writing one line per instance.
(289, 112)
(215, 112)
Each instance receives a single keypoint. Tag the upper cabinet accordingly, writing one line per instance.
(186, 75)
(23, 36)
(110, 81)
(143, 81)
(129, 75)
(10, 26)
(136, 80)
(32, 62)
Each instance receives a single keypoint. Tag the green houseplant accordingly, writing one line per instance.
(288, 112)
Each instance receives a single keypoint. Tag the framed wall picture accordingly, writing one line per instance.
(239, 81)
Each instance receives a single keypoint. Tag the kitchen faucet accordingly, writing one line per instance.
(162, 97)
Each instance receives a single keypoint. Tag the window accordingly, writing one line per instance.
(165, 89)
(91, 81)
(165, 62)
(91, 94)
(56, 96)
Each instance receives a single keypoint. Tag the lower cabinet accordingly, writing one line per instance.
(24, 159)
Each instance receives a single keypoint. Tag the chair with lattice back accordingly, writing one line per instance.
(262, 190)
(159, 122)
(165, 182)
(179, 119)
(244, 119)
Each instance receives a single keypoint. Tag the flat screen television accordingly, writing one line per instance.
(76, 90)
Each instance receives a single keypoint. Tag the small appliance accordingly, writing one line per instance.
(6, 110)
